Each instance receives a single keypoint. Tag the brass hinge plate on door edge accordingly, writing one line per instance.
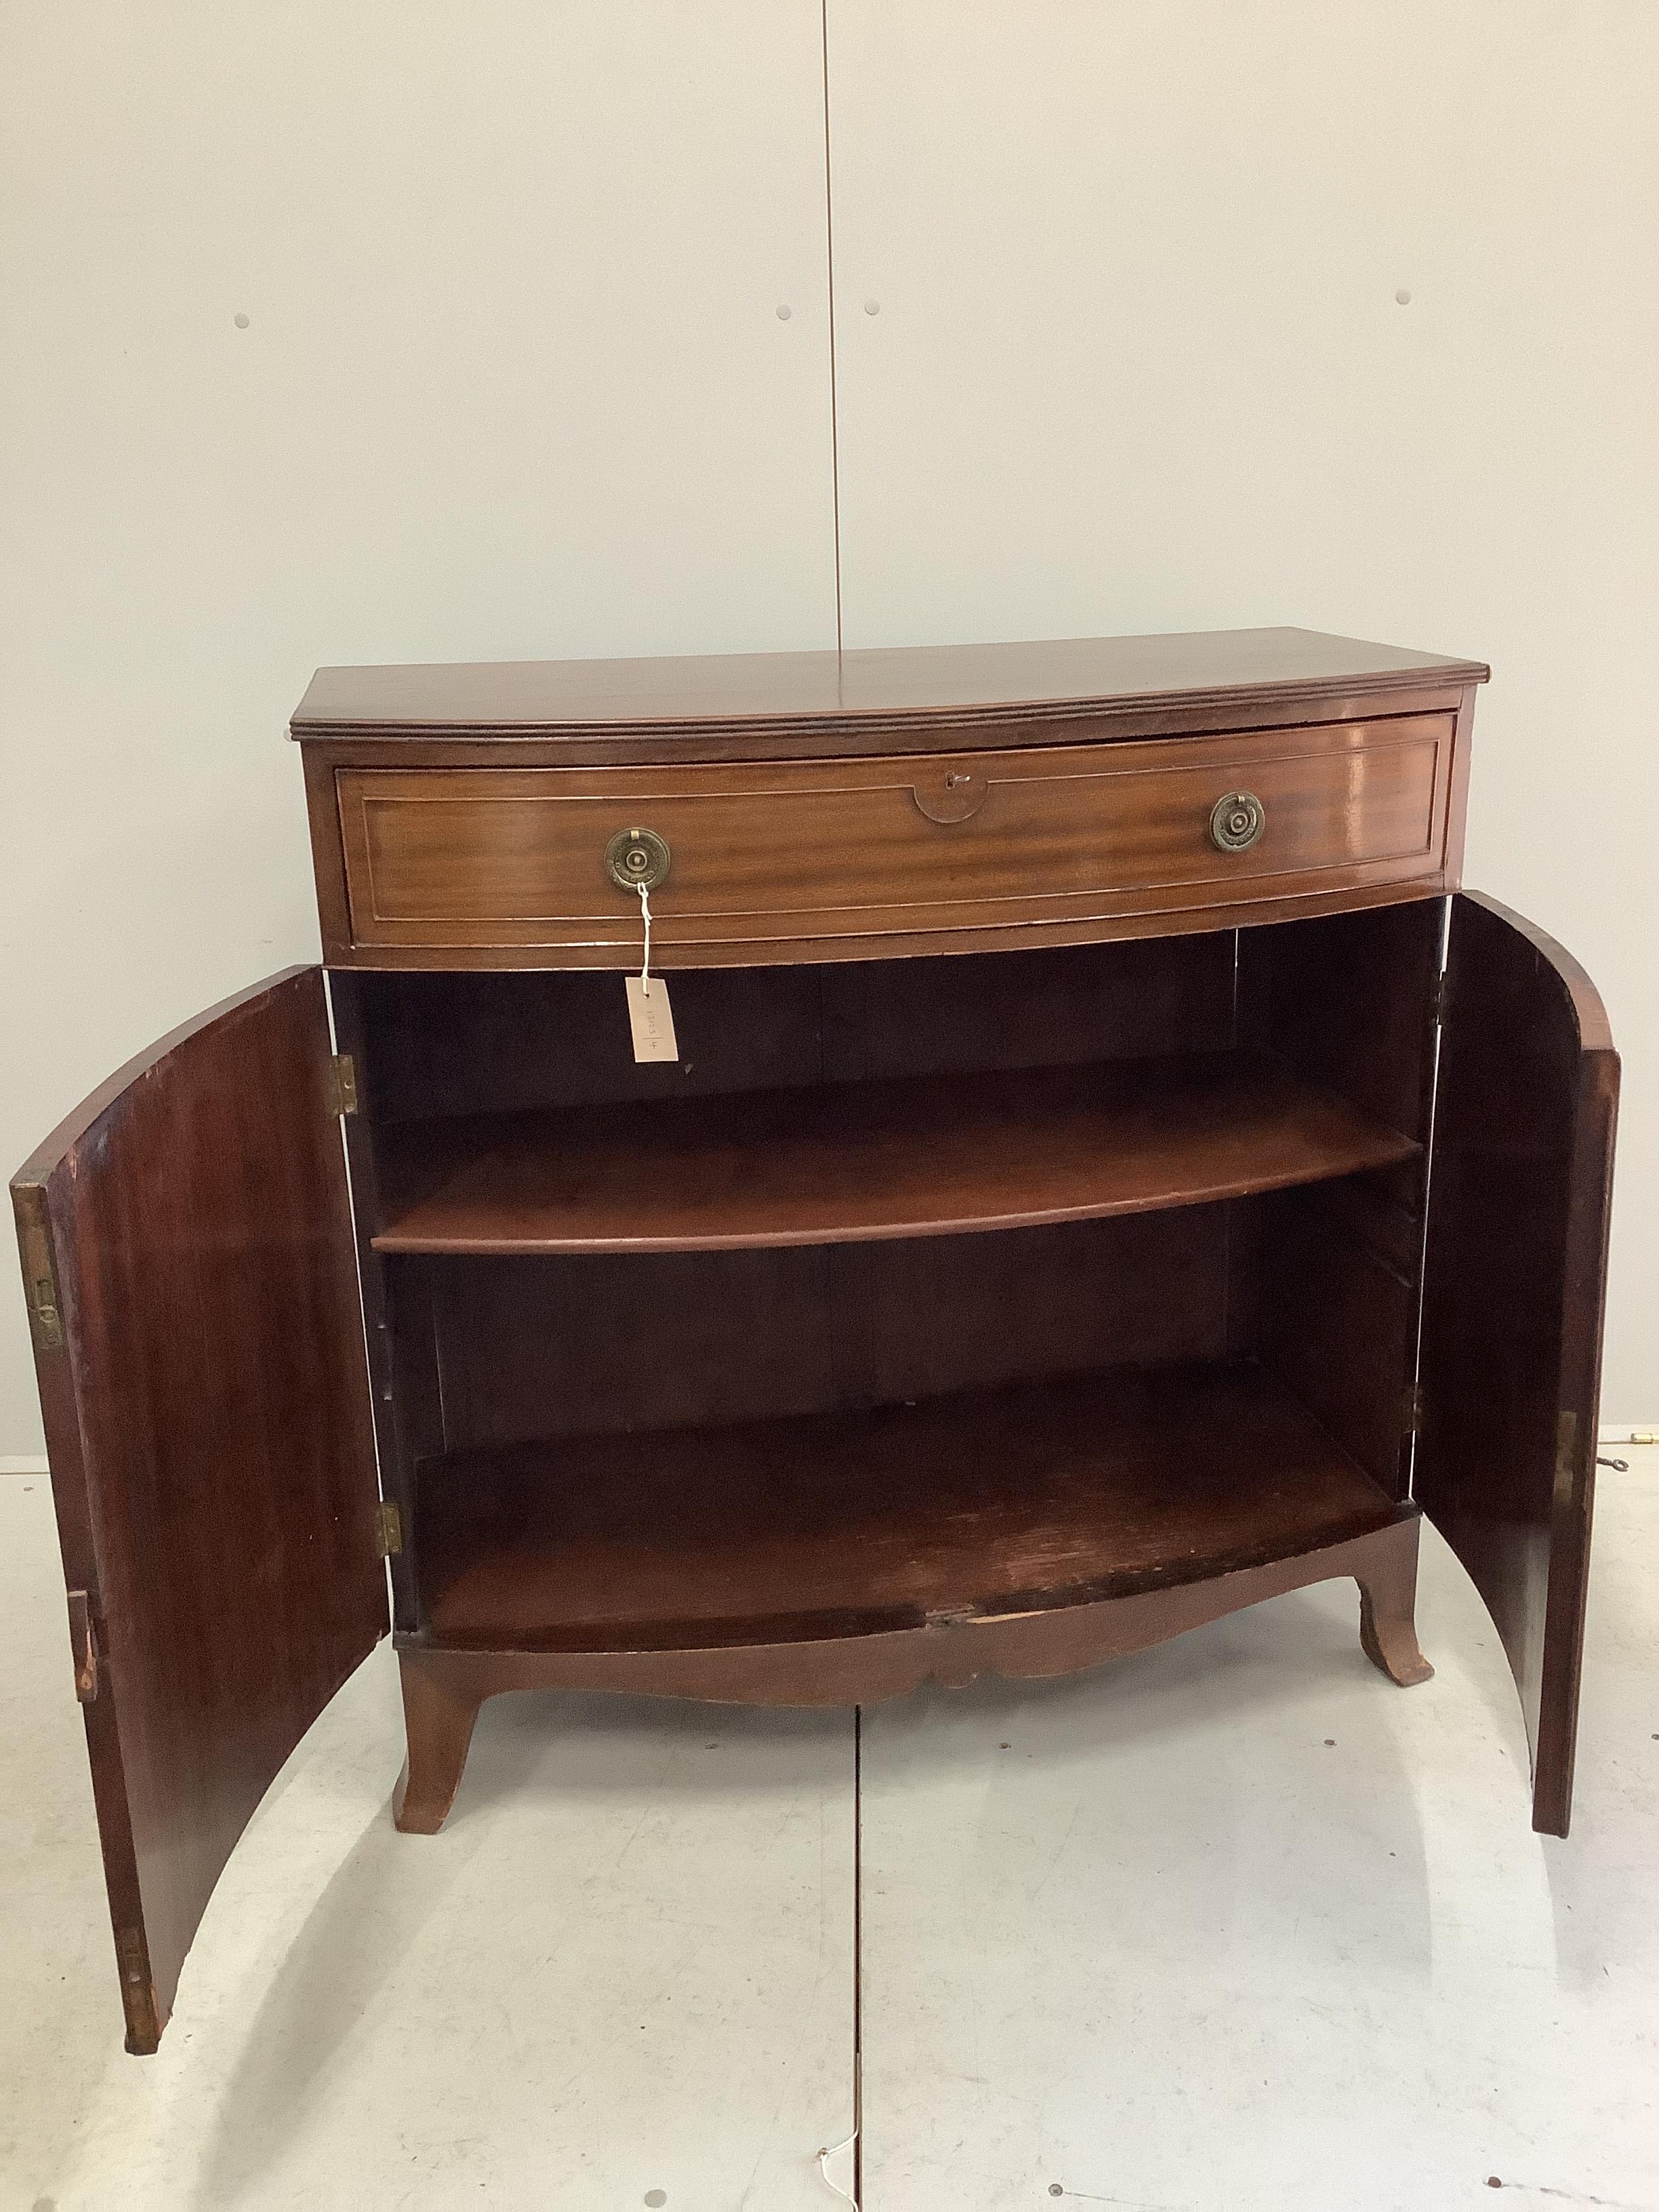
(83, 1641)
(342, 1085)
(40, 1269)
(388, 1529)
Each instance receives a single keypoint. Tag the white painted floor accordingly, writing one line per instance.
(1230, 1925)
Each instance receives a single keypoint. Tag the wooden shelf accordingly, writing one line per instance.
(990, 1501)
(842, 1162)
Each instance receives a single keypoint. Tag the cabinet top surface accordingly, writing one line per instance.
(890, 685)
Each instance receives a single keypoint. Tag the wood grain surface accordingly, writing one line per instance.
(532, 1348)
(838, 1163)
(889, 685)
(1514, 1287)
(212, 1460)
(770, 860)
(439, 1044)
(444, 1687)
(986, 1501)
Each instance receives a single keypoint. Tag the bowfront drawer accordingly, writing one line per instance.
(825, 858)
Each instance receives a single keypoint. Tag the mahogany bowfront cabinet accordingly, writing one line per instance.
(1110, 1175)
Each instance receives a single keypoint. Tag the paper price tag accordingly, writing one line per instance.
(650, 1018)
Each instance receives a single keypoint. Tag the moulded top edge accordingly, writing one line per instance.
(889, 687)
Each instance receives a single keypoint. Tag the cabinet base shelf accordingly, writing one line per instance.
(970, 1510)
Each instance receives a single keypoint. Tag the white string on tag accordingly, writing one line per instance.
(645, 970)
(650, 1014)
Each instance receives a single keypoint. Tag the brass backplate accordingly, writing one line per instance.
(1237, 820)
(637, 860)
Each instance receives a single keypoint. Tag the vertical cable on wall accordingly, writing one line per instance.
(830, 253)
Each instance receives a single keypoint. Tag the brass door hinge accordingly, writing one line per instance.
(342, 1084)
(39, 1270)
(1439, 994)
(83, 1642)
(1410, 1408)
(388, 1529)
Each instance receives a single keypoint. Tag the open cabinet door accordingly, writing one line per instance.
(1517, 1263)
(187, 1251)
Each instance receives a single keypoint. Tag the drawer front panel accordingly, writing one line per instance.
(780, 857)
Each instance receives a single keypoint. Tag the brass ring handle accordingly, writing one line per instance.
(1237, 820)
(637, 860)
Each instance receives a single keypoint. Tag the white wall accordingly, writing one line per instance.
(512, 382)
